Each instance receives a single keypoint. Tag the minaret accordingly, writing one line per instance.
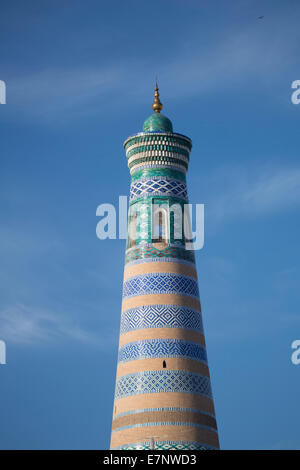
(163, 397)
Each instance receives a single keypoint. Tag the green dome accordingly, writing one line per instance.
(157, 123)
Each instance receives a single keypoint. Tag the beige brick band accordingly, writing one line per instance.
(160, 267)
(168, 432)
(161, 400)
(162, 333)
(163, 417)
(161, 299)
(172, 363)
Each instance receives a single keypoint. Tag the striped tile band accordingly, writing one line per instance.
(161, 316)
(160, 283)
(166, 445)
(162, 348)
(162, 382)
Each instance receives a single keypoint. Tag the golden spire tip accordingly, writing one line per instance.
(157, 105)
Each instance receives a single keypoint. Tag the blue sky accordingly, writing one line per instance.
(79, 79)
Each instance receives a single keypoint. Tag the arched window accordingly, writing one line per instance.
(160, 232)
(164, 365)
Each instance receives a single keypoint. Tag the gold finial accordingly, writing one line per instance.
(157, 105)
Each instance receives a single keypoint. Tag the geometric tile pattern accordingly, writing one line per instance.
(162, 381)
(162, 348)
(150, 173)
(169, 408)
(154, 260)
(176, 159)
(164, 423)
(160, 283)
(166, 445)
(177, 155)
(157, 137)
(161, 316)
(158, 186)
(149, 251)
(157, 150)
(153, 166)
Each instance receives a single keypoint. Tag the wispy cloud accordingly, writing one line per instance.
(22, 324)
(229, 61)
(244, 192)
(50, 92)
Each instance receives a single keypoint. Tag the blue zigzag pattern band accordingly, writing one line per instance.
(161, 316)
(158, 186)
(160, 283)
(163, 381)
(162, 348)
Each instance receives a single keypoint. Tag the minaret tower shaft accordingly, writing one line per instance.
(163, 397)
